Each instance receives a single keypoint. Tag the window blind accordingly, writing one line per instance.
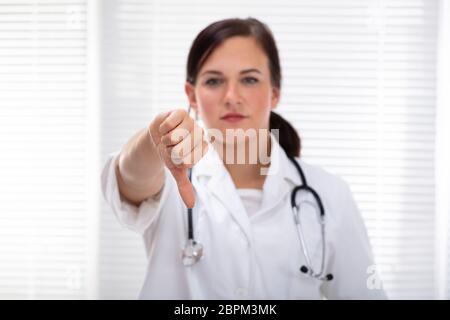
(127, 84)
(44, 249)
(442, 169)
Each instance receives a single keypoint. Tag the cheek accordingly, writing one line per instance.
(258, 96)
(208, 103)
(261, 109)
(260, 103)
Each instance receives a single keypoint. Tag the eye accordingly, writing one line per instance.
(212, 81)
(250, 80)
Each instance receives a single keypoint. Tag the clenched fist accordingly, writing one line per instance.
(180, 143)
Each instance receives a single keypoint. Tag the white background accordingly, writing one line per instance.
(365, 82)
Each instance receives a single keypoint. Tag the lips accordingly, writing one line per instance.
(233, 117)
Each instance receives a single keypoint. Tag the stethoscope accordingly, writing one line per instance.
(193, 250)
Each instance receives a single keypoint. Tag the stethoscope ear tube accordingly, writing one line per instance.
(189, 212)
(313, 192)
(307, 269)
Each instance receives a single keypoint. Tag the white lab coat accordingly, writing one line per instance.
(255, 257)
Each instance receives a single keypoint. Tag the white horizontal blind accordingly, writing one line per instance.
(361, 90)
(43, 211)
(443, 152)
(127, 90)
(358, 84)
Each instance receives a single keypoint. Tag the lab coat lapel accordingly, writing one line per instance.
(221, 186)
(225, 190)
(281, 177)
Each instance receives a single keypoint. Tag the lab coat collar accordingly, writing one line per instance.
(211, 165)
(211, 172)
(282, 176)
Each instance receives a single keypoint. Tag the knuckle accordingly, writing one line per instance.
(182, 112)
(169, 124)
(178, 114)
(166, 126)
(166, 140)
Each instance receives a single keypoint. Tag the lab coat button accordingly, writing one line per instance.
(241, 293)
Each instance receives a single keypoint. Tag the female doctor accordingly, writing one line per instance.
(218, 228)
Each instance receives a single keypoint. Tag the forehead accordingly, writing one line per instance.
(237, 53)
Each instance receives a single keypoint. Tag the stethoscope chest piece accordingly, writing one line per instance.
(191, 253)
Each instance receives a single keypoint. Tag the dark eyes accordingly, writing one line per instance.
(250, 80)
(212, 82)
(216, 81)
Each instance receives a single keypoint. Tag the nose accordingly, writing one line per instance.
(232, 95)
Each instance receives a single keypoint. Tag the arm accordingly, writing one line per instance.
(139, 169)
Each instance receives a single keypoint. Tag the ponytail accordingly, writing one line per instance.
(288, 136)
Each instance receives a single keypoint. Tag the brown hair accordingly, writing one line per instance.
(214, 35)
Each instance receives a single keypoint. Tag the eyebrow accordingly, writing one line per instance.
(220, 73)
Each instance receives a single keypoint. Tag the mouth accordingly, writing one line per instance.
(233, 117)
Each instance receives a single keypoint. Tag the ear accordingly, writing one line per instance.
(275, 98)
(190, 93)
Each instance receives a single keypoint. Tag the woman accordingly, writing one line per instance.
(242, 240)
